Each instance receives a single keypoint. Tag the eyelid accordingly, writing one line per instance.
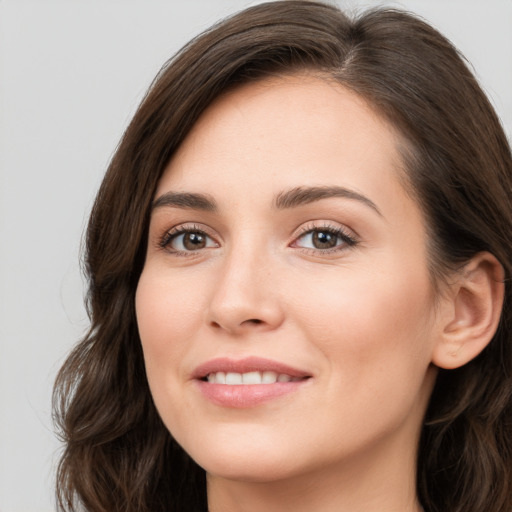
(165, 238)
(348, 236)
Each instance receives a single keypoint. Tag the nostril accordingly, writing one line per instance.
(244, 324)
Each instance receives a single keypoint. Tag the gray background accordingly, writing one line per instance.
(71, 75)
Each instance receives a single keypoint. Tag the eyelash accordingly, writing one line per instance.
(171, 235)
(348, 240)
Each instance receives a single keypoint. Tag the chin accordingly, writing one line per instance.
(245, 457)
(260, 469)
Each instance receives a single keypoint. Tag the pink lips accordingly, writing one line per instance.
(246, 395)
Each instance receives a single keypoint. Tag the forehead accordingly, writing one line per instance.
(284, 132)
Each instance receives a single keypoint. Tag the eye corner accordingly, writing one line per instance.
(324, 238)
(175, 242)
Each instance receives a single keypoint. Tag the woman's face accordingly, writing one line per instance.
(285, 307)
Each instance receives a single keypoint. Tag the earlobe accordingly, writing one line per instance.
(472, 312)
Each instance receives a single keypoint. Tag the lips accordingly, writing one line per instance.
(249, 378)
(247, 365)
(247, 382)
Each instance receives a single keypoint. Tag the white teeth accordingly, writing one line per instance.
(232, 378)
(268, 377)
(251, 378)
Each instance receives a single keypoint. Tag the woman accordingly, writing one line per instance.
(299, 263)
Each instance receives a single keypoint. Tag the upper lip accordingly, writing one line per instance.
(245, 365)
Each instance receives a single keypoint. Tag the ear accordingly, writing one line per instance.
(471, 312)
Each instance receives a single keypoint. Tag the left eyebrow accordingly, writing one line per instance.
(304, 195)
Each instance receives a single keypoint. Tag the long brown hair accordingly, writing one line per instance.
(118, 455)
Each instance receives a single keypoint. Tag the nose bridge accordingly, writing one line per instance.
(245, 294)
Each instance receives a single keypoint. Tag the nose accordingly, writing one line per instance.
(246, 297)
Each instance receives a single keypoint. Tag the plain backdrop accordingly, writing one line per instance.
(72, 73)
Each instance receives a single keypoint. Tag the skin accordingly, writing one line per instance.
(361, 319)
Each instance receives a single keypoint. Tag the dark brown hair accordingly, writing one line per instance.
(118, 455)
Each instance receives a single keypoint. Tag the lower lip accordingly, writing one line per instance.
(246, 395)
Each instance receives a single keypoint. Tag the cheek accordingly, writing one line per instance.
(374, 334)
(367, 322)
(167, 318)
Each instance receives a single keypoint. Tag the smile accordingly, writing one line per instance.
(249, 378)
(248, 382)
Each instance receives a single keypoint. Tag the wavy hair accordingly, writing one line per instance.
(118, 455)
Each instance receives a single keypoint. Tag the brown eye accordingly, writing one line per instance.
(186, 241)
(193, 241)
(324, 240)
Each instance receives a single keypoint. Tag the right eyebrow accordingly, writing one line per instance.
(186, 200)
